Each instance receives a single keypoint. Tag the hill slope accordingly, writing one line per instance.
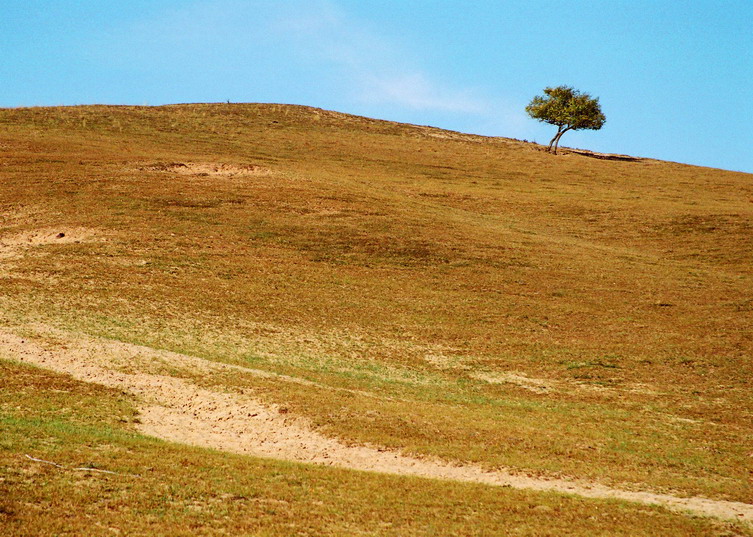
(465, 298)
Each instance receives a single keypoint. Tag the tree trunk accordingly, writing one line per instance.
(557, 139)
(559, 133)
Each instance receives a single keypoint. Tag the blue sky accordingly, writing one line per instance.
(674, 78)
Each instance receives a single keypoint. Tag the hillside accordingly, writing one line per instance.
(444, 297)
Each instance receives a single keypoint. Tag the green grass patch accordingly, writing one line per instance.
(166, 489)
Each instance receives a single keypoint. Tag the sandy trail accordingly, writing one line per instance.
(177, 410)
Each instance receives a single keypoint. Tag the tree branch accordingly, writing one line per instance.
(45, 462)
(82, 468)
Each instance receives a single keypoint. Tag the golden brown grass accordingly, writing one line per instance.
(165, 489)
(410, 264)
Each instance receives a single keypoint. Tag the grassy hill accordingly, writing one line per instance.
(470, 299)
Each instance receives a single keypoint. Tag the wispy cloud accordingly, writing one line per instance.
(306, 51)
(416, 91)
(374, 69)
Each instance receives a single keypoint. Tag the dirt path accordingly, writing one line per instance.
(177, 410)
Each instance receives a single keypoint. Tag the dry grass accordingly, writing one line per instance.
(410, 264)
(164, 489)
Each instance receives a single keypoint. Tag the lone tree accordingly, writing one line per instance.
(568, 109)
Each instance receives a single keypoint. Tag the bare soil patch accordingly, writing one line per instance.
(177, 410)
(208, 169)
(521, 380)
(14, 244)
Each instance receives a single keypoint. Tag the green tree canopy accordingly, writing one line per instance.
(567, 109)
